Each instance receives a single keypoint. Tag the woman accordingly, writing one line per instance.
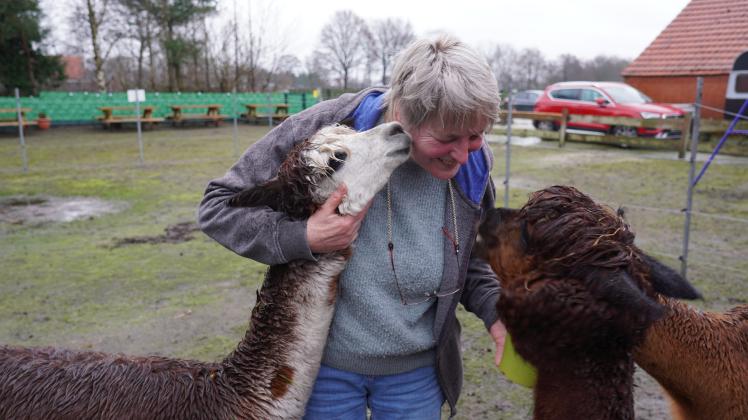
(394, 341)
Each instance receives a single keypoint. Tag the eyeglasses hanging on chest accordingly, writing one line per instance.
(453, 237)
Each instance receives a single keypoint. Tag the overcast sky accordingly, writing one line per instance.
(585, 28)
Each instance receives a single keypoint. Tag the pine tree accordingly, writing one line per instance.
(23, 64)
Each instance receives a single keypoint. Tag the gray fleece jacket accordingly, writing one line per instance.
(272, 237)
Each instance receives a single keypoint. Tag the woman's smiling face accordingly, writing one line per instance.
(441, 150)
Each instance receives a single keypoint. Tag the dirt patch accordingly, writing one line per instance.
(736, 195)
(181, 232)
(35, 210)
(189, 327)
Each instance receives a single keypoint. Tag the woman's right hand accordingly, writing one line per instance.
(328, 231)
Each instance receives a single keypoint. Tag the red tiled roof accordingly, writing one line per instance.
(704, 39)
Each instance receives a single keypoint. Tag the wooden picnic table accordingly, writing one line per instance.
(253, 116)
(9, 117)
(110, 118)
(212, 114)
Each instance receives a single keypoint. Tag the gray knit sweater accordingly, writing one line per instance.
(372, 332)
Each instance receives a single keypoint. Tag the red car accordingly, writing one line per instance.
(609, 99)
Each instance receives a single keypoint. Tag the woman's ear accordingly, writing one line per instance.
(395, 115)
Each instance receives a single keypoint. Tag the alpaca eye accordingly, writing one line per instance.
(337, 160)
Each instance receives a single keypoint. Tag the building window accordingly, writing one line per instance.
(741, 83)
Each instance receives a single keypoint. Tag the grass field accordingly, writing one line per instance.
(114, 283)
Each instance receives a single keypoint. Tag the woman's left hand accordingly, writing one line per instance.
(498, 333)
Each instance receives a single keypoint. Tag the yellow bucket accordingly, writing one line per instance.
(515, 368)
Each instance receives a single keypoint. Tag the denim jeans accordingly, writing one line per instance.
(341, 395)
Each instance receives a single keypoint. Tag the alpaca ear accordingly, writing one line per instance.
(524, 236)
(267, 194)
(668, 282)
(619, 289)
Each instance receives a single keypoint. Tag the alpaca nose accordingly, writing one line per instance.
(394, 130)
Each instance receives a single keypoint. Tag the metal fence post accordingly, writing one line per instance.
(270, 111)
(24, 158)
(509, 121)
(233, 112)
(691, 174)
(685, 136)
(562, 130)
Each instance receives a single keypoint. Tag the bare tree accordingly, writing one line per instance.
(284, 71)
(140, 33)
(95, 22)
(206, 54)
(316, 72)
(344, 42)
(265, 43)
(223, 63)
(569, 67)
(606, 68)
(171, 16)
(532, 64)
(198, 43)
(390, 36)
(504, 63)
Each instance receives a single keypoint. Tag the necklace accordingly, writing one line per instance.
(454, 239)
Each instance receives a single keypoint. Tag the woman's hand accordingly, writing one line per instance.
(328, 231)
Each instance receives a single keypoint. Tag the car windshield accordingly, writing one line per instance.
(627, 95)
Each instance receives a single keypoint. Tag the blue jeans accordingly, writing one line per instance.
(341, 395)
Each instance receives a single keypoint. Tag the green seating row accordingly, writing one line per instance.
(80, 106)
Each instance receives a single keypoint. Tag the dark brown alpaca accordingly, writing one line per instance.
(576, 298)
(270, 373)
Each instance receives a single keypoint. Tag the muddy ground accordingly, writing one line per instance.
(141, 280)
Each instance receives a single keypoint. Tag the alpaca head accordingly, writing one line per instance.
(572, 279)
(314, 169)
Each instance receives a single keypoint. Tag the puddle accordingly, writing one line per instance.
(516, 141)
(42, 209)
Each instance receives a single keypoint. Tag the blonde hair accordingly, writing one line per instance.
(442, 80)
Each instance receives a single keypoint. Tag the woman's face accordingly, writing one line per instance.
(441, 150)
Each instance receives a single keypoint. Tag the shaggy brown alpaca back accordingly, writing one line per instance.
(701, 360)
(73, 385)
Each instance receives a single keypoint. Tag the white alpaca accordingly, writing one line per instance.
(270, 373)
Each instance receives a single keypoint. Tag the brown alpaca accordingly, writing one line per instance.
(576, 298)
(699, 358)
(270, 373)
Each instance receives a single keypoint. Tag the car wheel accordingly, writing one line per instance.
(621, 131)
(544, 125)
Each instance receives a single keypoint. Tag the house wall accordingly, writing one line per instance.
(682, 89)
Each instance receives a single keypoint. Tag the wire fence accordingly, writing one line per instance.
(97, 162)
(688, 129)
